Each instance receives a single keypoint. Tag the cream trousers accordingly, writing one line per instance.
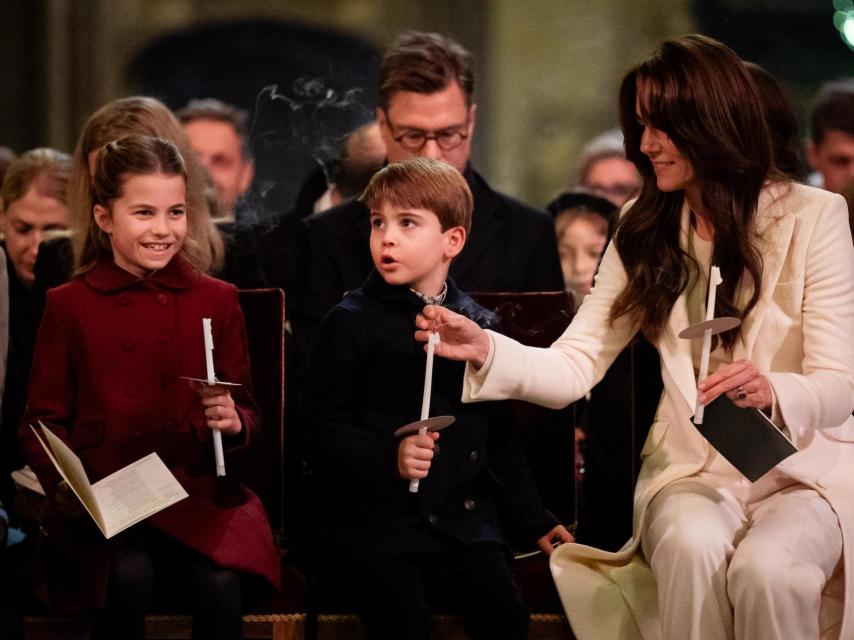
(731, 562)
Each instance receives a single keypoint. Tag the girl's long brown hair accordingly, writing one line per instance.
(698, 92)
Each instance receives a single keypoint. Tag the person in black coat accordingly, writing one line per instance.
(426, 109)
(390, 552)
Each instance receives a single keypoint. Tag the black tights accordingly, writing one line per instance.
(143, 560)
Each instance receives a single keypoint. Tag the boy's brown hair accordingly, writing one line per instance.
(423, 183)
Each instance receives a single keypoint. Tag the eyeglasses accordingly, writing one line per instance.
(415, 139)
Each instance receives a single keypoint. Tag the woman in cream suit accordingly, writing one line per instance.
(712, 556)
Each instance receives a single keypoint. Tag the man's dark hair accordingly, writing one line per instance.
(425, 63)
(213, 109)
(833, 108)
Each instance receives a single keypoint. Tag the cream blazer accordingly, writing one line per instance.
(800, 334)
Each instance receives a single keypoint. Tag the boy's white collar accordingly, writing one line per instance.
(439, 299)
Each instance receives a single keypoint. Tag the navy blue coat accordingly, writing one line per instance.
(366, 380)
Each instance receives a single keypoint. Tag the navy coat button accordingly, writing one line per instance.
(469, 505)
(473, 456)
(432, 519)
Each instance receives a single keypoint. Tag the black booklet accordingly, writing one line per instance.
(745, 437)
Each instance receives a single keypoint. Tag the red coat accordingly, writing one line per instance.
(105, 379)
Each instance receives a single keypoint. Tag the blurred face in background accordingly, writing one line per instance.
(27, 221)
(833, 157)
(219, 148)
(613, 178)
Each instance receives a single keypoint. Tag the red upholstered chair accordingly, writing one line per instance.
(538, 319)
(263, 469)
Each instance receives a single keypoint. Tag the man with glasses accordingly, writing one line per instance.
(426, 109)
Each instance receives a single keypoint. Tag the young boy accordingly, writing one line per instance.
(392, 554)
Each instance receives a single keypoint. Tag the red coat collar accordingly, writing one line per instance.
(108, 277)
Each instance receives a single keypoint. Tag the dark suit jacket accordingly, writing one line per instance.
(511, 247)
(366, 380)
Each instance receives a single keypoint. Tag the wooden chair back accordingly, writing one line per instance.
(538, 319)
(263, 470)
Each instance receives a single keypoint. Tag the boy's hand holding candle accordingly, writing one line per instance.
(415, 454)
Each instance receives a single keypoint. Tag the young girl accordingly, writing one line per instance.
(112, 345)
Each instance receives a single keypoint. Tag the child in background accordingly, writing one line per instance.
(581, 227)
(395, 554)
(112, 345)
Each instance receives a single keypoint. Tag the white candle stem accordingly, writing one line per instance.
(425, 398)
(219, 456)
(209, 366)
(705, 353)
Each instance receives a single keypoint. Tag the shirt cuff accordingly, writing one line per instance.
(774, 414)
(473, 379)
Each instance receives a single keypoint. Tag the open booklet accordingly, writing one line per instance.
(123, 498)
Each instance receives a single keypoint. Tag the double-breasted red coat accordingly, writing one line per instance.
(106, 379)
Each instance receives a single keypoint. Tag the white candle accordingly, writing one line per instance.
(432, 341)
(714, 280)
(206, 329)
(219, 457)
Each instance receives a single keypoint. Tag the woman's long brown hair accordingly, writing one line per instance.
(697, 91)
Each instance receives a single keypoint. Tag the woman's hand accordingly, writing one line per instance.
(460, 338)
(220, 411)
(742, 382)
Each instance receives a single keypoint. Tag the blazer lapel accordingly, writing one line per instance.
(773, 235)
(675, 351)
(774, 231)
